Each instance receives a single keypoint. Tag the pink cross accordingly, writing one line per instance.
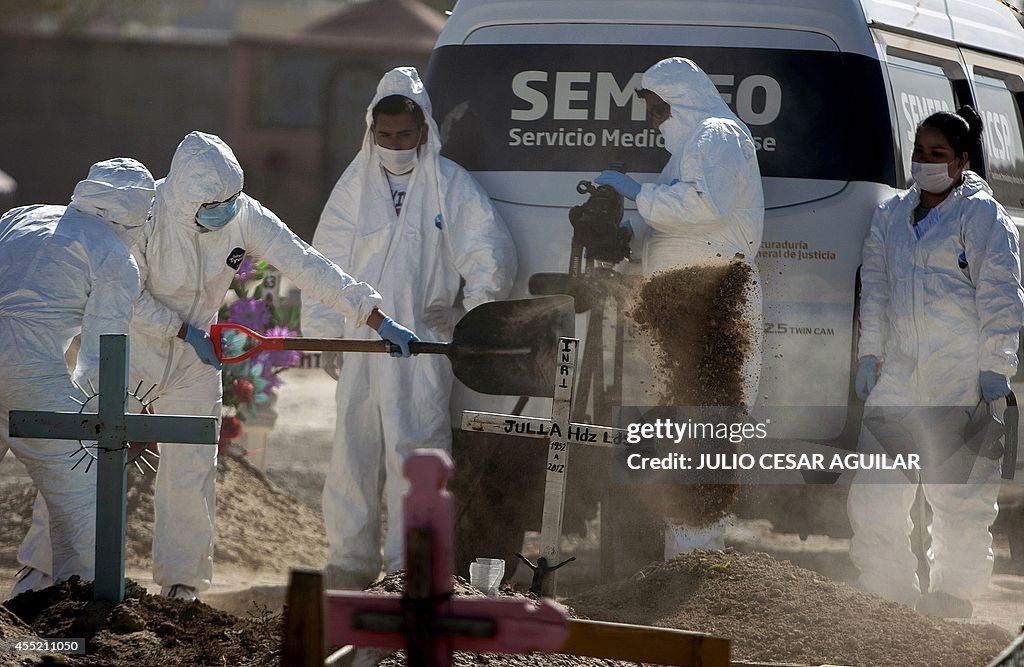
(428, 621)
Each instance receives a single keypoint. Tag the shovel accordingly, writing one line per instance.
(502, 347)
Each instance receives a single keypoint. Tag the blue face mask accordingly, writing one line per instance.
(216, 215)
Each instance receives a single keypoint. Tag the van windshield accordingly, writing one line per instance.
(572, 107)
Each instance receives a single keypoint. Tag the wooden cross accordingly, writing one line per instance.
(560, 433)
(112, 427)
(428, 621)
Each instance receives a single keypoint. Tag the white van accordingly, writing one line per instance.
(535, 95)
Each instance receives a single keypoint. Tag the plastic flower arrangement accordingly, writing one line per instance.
(248, 385)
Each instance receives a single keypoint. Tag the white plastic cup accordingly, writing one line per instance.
(486, 574)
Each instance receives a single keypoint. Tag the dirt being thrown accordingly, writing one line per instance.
(695, 319)
(694, 316)
(774, 611)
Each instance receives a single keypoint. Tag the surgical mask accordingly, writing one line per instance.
(398, 161)
(673, 132)
(932, 177)
(215, 216)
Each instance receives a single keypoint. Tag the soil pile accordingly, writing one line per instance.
(148, 629)
(13, 630)
(260, 527)
(774, 611)
(694, 316)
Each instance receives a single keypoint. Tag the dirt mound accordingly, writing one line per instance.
(260, 526)
(148, 629)
(774, 611)
(13, 630)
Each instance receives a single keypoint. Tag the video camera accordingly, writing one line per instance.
(599, 242)
(597, 230)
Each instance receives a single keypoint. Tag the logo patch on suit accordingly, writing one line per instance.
(235, 258)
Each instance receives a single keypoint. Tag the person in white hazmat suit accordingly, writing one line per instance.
(940, 313)
(705, 209)
(413, 223)
(202, 227)
(66, 272)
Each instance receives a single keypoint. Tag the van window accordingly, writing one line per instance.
(920, 89)
(571, 108)
(1004, 150)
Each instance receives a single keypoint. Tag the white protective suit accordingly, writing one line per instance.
(707, 206)
(388, 407)
(936, 325)
(186, 273)
(66, 272)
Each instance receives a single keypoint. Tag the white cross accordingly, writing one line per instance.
(112, 427)
(560, 433)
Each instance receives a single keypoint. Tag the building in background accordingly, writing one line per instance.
(299, 100)
(285, 82)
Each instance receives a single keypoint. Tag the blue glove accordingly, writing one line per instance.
(201, 343)
(993, 385)
(619, 182)
(393, 331)
(867, 375)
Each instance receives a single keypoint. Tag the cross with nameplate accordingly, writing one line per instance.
(112, 427)
(560, 432)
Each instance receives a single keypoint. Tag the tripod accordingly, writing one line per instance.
(599, 242)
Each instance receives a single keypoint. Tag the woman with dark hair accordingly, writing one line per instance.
(940, 313)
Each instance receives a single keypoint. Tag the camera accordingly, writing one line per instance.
(596, 225)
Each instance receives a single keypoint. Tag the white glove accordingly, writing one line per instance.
(331, 363)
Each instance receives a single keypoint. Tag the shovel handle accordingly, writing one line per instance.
(265, 343)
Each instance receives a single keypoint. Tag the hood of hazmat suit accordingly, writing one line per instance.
(447, 231)
(940, 309)
(69, 272)
(707, 205)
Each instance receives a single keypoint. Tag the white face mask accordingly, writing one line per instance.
(931, 176)
(398, 162)
(672, 130)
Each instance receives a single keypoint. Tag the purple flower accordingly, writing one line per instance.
(270, 375)
(282, 358)
(251, 313)
(245, 270)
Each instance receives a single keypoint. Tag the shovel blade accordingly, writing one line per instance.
(509, 347)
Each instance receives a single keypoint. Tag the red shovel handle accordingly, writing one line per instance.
(262, 342)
